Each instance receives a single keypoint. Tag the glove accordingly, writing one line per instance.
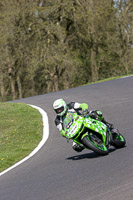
(85, 112)
(93, 115)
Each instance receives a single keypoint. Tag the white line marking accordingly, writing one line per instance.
(44, 139)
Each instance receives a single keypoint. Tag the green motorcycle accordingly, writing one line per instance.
(91, 133)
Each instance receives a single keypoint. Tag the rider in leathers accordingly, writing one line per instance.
(61, 109)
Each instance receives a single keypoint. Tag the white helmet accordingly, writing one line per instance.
(60, 107)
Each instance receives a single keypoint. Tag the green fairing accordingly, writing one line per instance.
(96, 126)
(91, 133)
(88, 122)
(77, 126)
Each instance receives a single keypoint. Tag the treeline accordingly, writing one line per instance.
(48, 45)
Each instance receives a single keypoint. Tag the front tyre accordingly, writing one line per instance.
(100, 149)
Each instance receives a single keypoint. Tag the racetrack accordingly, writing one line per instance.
(57, 172)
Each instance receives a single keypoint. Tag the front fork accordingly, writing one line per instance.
(109, 138)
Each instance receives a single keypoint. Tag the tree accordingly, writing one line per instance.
(53, 45)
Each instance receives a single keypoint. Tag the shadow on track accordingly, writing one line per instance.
(83, 156)
(87, 155)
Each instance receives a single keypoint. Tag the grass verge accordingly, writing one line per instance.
(20, 132)
(109, 79)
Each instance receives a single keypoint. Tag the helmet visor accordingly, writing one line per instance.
(59, 110)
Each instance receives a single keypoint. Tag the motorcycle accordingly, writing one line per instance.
(91, 133)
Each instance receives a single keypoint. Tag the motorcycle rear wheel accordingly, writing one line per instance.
(100, 149)
(118, 141)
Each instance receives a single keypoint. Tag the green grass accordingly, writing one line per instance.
(108, 79)
(20, 132)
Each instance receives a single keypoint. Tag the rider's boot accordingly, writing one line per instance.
(77, 147)
(114, 131)
(109, 125)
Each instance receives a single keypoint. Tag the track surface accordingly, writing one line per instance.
(57, 172)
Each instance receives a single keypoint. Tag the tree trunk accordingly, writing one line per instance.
(2, 88)
(94, 70)
(55, 83)
(19, 87)
(12, 83)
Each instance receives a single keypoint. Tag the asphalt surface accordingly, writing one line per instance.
(57, 172)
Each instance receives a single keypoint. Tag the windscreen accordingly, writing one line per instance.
(68, 120)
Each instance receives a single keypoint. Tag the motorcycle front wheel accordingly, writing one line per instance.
(95, 146)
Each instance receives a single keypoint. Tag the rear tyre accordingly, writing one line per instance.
(100, 149)
(118, 140)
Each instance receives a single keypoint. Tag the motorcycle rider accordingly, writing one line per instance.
(61, 109)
